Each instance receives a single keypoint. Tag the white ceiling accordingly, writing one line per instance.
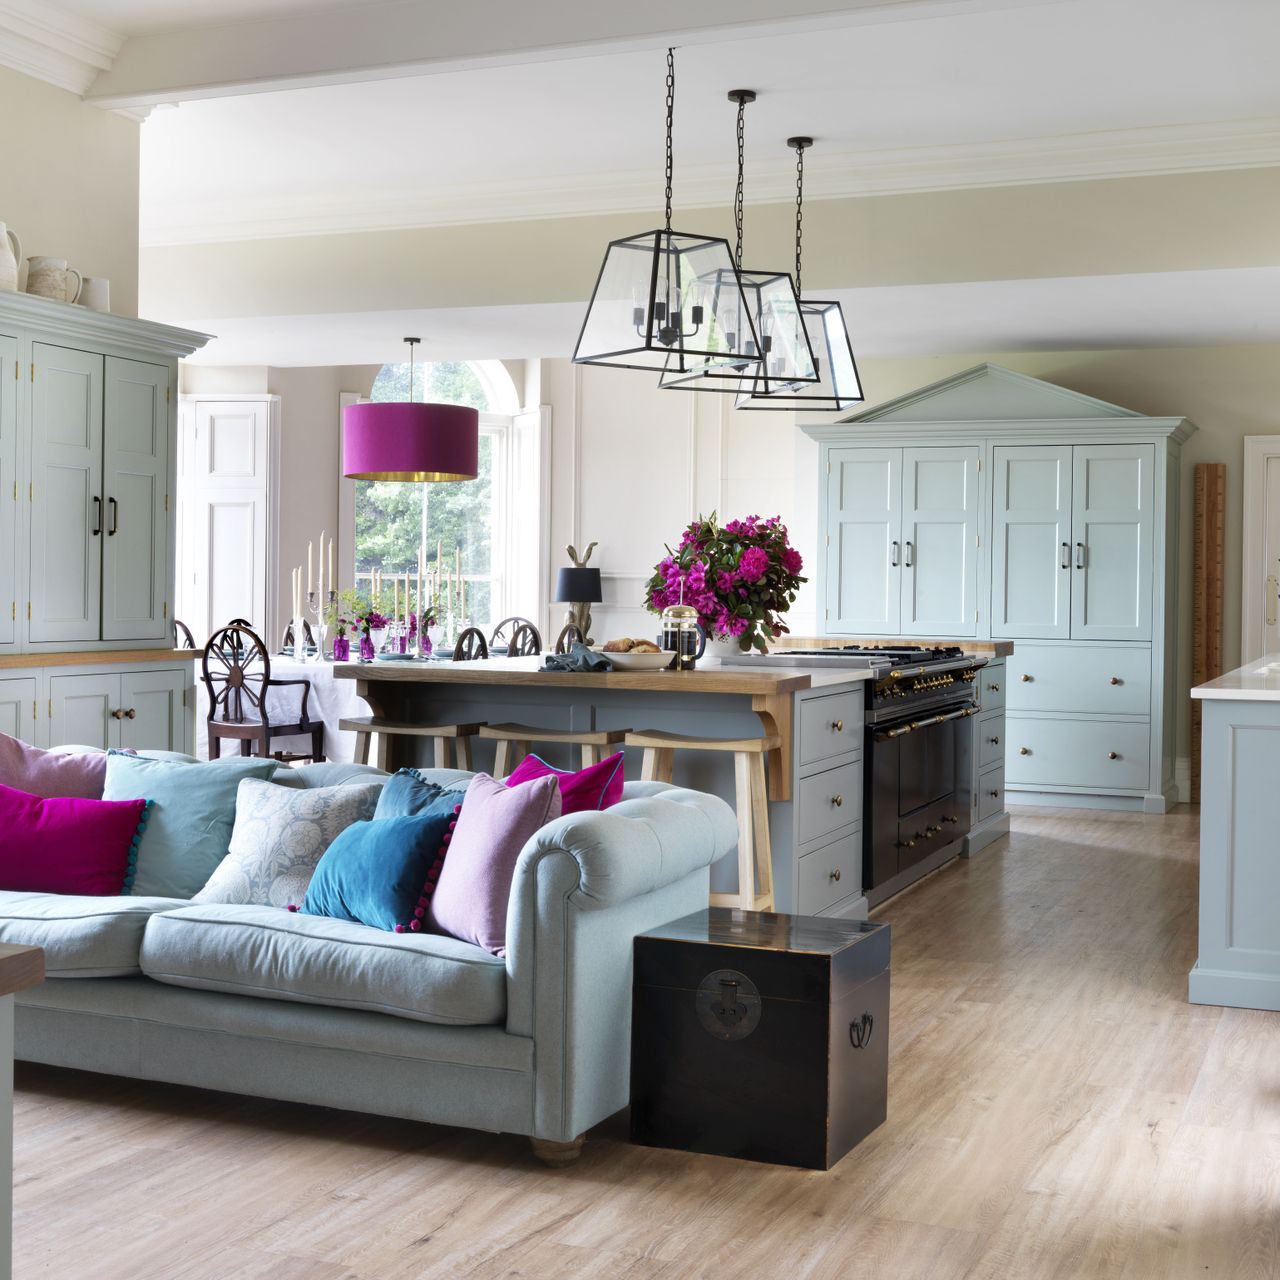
(1177, 308)
(137, 17)
(979, 97)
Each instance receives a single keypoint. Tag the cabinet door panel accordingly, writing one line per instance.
(1113, 494)
(940, 544)
(81, 708)
(8, 492)
(156, 700)
(864, 556)
(136, 469)
(17, 707)
(1031, 542)
(66, 472)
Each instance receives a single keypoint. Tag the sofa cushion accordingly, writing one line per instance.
(597, 786)
(284, 955)
(51, 773)
(329, 773)
(82, 937)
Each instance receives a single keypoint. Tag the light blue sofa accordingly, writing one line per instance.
(424, 1028)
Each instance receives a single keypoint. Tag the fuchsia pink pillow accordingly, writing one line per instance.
(68, 845)
(51, 773)
(471, 895)
(598, 786)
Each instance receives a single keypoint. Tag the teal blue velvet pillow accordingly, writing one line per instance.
(383, 873)
(192, 815)
(407, 792)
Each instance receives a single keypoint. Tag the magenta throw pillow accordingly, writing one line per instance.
(68, 844)
(471, 895)
(51, 773)
(598, 786)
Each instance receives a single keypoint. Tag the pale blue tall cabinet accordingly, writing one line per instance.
(992, 505)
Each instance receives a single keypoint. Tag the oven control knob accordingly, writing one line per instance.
(931, 831)
(948, 818)
(904, 844)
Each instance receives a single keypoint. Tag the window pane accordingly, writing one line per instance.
(441, 382)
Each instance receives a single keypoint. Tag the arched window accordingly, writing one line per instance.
(463, 526)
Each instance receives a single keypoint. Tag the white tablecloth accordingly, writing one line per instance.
(330, 700)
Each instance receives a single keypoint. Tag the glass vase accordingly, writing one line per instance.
(367, 651)
(341, 649)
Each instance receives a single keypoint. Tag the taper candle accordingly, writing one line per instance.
(309, 567)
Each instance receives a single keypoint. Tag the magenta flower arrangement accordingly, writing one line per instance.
(741, 578)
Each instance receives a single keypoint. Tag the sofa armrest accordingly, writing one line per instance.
(584, 886)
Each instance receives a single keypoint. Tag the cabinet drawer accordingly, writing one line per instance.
(990, 684)
(830, 874)
(831, 727)
(991, 738)
(1110, 755)
(990, 794)
(1113, 679)
(829, 801)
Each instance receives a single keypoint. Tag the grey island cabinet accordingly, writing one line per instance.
(992, 506)
(815, 778)
(1239, 959)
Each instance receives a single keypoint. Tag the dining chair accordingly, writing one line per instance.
(471, 645)
(181, 635)
(568, 637)
(308, 636)
(525, 642)
(507, 630)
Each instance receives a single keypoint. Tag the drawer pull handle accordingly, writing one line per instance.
(1026, 679)
(904, 844)
(860, 1031)
(837, 726)
(995, 795)
(837, 801)
(835, 875)
(995, 742)
(1113, 755)
(1024, 751)
(1116, 680)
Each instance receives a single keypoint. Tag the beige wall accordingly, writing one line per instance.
(70, 185)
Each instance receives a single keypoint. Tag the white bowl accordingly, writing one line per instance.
(637, 661)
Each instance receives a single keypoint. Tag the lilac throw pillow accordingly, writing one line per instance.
(51, 773)
(68, 844)
(598, 786)
(470, 901)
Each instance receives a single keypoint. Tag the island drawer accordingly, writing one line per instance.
(828, 801)
(830, 874)
(990, 794)
(831, 726)
(989, 685)
(1106, 679)
(1064, 752)
(991, 736)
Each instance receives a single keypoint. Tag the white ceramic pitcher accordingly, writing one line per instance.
(10, 257)
(49, 278)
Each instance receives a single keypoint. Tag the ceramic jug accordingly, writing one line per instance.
(10, 257)
(95, 293)
(48, 278)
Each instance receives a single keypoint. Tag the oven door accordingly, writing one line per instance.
(916, 800)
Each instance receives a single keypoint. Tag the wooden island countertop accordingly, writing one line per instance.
(96, 657)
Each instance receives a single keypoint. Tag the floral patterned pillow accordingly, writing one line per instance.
(279, 836)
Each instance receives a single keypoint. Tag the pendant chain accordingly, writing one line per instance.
(671, 113)
(799, 214)
(737, 195)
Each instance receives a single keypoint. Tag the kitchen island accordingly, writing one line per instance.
(1239, 959)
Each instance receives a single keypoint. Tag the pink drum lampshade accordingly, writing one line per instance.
(408, 440)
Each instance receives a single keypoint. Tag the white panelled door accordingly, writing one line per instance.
(1112, 527)
(222, 515)
(66, 501)
(135, 568)
(940, 541)
(1031, 552)
(8, 493)
(864, 557)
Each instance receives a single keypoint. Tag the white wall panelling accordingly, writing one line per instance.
(1260, 569)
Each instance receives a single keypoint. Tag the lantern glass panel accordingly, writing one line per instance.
(838, 385)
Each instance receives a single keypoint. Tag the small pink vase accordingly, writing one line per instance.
(366, 649)
(341, 649)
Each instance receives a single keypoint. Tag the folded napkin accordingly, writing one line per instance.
(579, 658)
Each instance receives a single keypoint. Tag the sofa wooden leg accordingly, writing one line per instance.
(557, 1155)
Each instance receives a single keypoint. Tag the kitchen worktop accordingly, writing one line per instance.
(1256, 682)
(95, 657)
(982, 648)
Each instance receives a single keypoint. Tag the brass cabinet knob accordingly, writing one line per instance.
(835, 875)
(1026, 678)
(1024, 751)
(837, 726)
(1115, 680)
(130, 714)
(837, 801)
(1113, 755)
(117, 714)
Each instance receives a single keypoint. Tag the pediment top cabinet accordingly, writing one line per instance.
(88, 407)
(993, 505)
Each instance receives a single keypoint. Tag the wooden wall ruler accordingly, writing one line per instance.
(1206, 593)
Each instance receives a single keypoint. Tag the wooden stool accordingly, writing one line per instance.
(515, 741)
(459, 735)
(751, 799)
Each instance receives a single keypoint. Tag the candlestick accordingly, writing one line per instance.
(395, 598)
(332, 579)
(320, 569)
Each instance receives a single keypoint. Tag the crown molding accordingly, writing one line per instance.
(45, 42)
(1121, 153)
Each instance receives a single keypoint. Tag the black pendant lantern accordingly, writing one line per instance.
(838, 385)
(663, 299)
(771, 309)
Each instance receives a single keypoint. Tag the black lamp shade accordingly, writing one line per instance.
(578, 586)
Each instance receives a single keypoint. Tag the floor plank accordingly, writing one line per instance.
(1057, 1112)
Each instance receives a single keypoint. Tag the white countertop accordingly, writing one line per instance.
(1257, 682)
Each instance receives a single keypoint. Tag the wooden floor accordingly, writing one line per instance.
(1057, 1110)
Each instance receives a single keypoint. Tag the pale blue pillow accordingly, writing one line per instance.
(193, 812)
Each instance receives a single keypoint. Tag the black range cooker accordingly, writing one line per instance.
(917, 790)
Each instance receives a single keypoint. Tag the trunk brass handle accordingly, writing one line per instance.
(1024, 751)
(835, 875)
(1113, 755)
(1115, 680)
(837, 726)
(1026, 679)
(837, 801)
